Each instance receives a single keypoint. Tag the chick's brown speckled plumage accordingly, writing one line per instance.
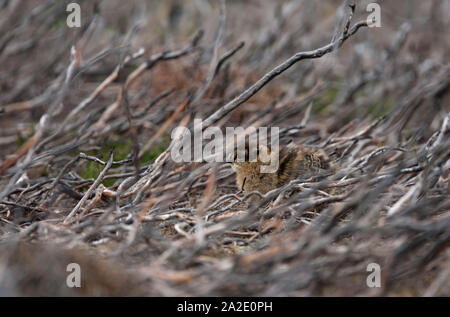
(294, 161)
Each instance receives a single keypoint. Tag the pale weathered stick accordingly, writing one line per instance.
(91, 189)
(247, 94)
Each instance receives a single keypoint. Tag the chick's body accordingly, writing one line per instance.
(294, 161)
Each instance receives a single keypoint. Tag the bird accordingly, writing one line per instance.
(294, 161)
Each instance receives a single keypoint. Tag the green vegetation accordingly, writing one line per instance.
(324, 101)
(381, 108)
(22, 139)
(156, 149)
(93, 169)
(122, 148)
(59, 22)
